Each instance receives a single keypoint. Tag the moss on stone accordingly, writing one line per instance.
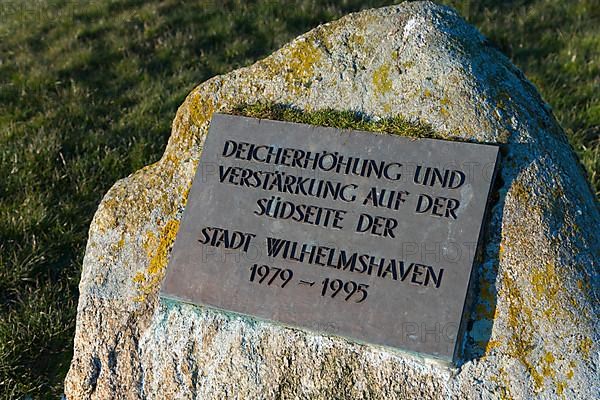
(395, 125)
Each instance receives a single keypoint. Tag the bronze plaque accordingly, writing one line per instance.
(367, 236)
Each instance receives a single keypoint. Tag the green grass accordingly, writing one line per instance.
(337, 119)
(87, 94)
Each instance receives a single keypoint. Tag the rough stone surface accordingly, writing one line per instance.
(533, 330)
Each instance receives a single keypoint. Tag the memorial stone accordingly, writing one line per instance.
(532, 329)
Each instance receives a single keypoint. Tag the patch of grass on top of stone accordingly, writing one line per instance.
(396, 125)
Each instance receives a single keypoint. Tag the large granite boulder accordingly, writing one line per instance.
(533, 327)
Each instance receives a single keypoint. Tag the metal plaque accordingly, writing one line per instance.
(367, 236)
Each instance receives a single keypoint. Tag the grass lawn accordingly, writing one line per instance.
(88, 90)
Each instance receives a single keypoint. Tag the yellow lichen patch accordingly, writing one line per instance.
(408, 64)
(158, 259)
(546, 363)
(445, 103)
(139, 277)
(356, 40)
(503, 384)
(105, 218)
(492, 344)
(119, 245)
(150, 242)
(571, 370)
(139, 298)
(520, 322)
(381, 79)
(560, 387)
(201, 109)
(129, 201)
(585, 346)
(301, 60)
(547, 289)
(520, 192)
(545, 282)
(185, 193)
(505, 393)
(170, 162)
(157, 248)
